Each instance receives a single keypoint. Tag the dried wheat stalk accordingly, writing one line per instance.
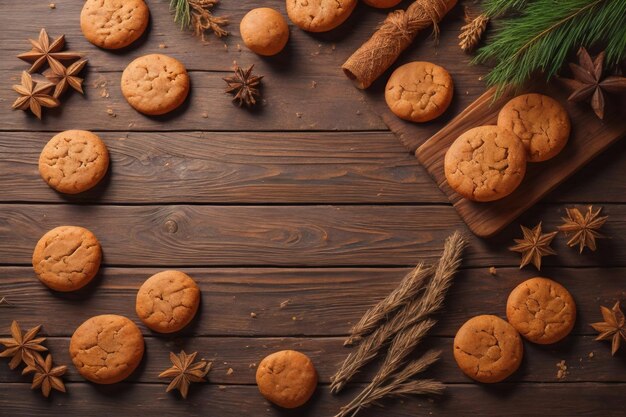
(472, 32)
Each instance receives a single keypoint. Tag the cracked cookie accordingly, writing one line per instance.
(286, 378)
(319, 15)
(67, 258)
(488, 349)
(114, 24)
(419, 91)
(167, 301)
(264, 31)
(542, 310)
(155, 84)
(485, 163)
(106, 349)
(73, 161)
(540, 122)
(382, 4)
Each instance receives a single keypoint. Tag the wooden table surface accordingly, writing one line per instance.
(304, 212)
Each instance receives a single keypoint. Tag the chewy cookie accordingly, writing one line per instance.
(67, 258)
(114, 24)
(540, 122)
(264, 31)
(485, 163)
(73, 161)
(106, 349)
(287, 378)
(319, 15)
(168, 301)
(542, 310)
(419, 91)
(488, 349)
(155, 84)
(382, 4)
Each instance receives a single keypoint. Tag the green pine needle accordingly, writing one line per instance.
(495, 8)
(182, 12)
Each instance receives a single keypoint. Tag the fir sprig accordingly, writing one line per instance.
(197, 15)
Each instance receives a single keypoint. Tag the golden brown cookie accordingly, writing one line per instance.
(319, 15)
(264, 31)
(488, 349)
(67, 258)
(73, 161)
(168, 301)
(155, 84)
(106, 349)
(542, 310)
(419, 91)
(540, 122)
(287, 378)
(382, 4)
(114, 24)
(485, 163)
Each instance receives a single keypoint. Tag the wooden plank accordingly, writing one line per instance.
(324, 302)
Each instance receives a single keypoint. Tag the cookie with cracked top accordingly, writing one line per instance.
(114, 24)
(488, 349)
(286, 378)
(485, 163)
(168, 301)
(67, 258)
(155, 84)
(419, 91)
(106, 349)
(73, 161)
(319, 15)
(541, 310)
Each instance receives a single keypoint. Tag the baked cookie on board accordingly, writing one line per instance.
(319, 15)
(488, 349)
(419, 91)
(114, 24)
(541, 310)
(167, 301)
(73, 161)
(286, 378)
(155, 84)
(67, 258)
(106, 349)
(264, 31)
(485, 163)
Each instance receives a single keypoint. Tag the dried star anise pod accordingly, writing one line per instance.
(613, 327)
(33, 95)
(589, 83)
(64, 77)
(184, 372)
(46, 376)
(582, 230)
(22, 347)
(534, 246)
(44, 50)
(244, 86)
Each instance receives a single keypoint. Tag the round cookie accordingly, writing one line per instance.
(488, 349)
(167, 301)
(319, 15)
(382, 4)
(419, 91)
(67, 258)
(155, 84)
(541, 310)
(540, 122)
(73, 161)
(106, 349)
(287, 378)
(114, 24)
(264, 31)
(485, 163)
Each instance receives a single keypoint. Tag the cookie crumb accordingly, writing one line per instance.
(313, 84)
(493, 270)
(294, 318)
(252, 365)
(561, 372)
(591, 355)
(205, 115)
(110, 112)
(358, 112)
(52, 6)
(230, 371)
(226, 47)
(333, 47)
(162, 46)
(238, 48)
(221, 386)
(253, 315)
(284, 304)
(299, 115)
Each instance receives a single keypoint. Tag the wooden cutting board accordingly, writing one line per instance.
(589, 137)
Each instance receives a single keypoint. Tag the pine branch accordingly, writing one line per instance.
(495, 8)
(197, 16)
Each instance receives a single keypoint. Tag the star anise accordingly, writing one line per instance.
(534, 246)
(613, 327)
(184, 372)
(44, 50)
(582, 230)
(65, 77)
(46, 376)
(22, 347)
(33, 95)
(244, 86)
(589, 83)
